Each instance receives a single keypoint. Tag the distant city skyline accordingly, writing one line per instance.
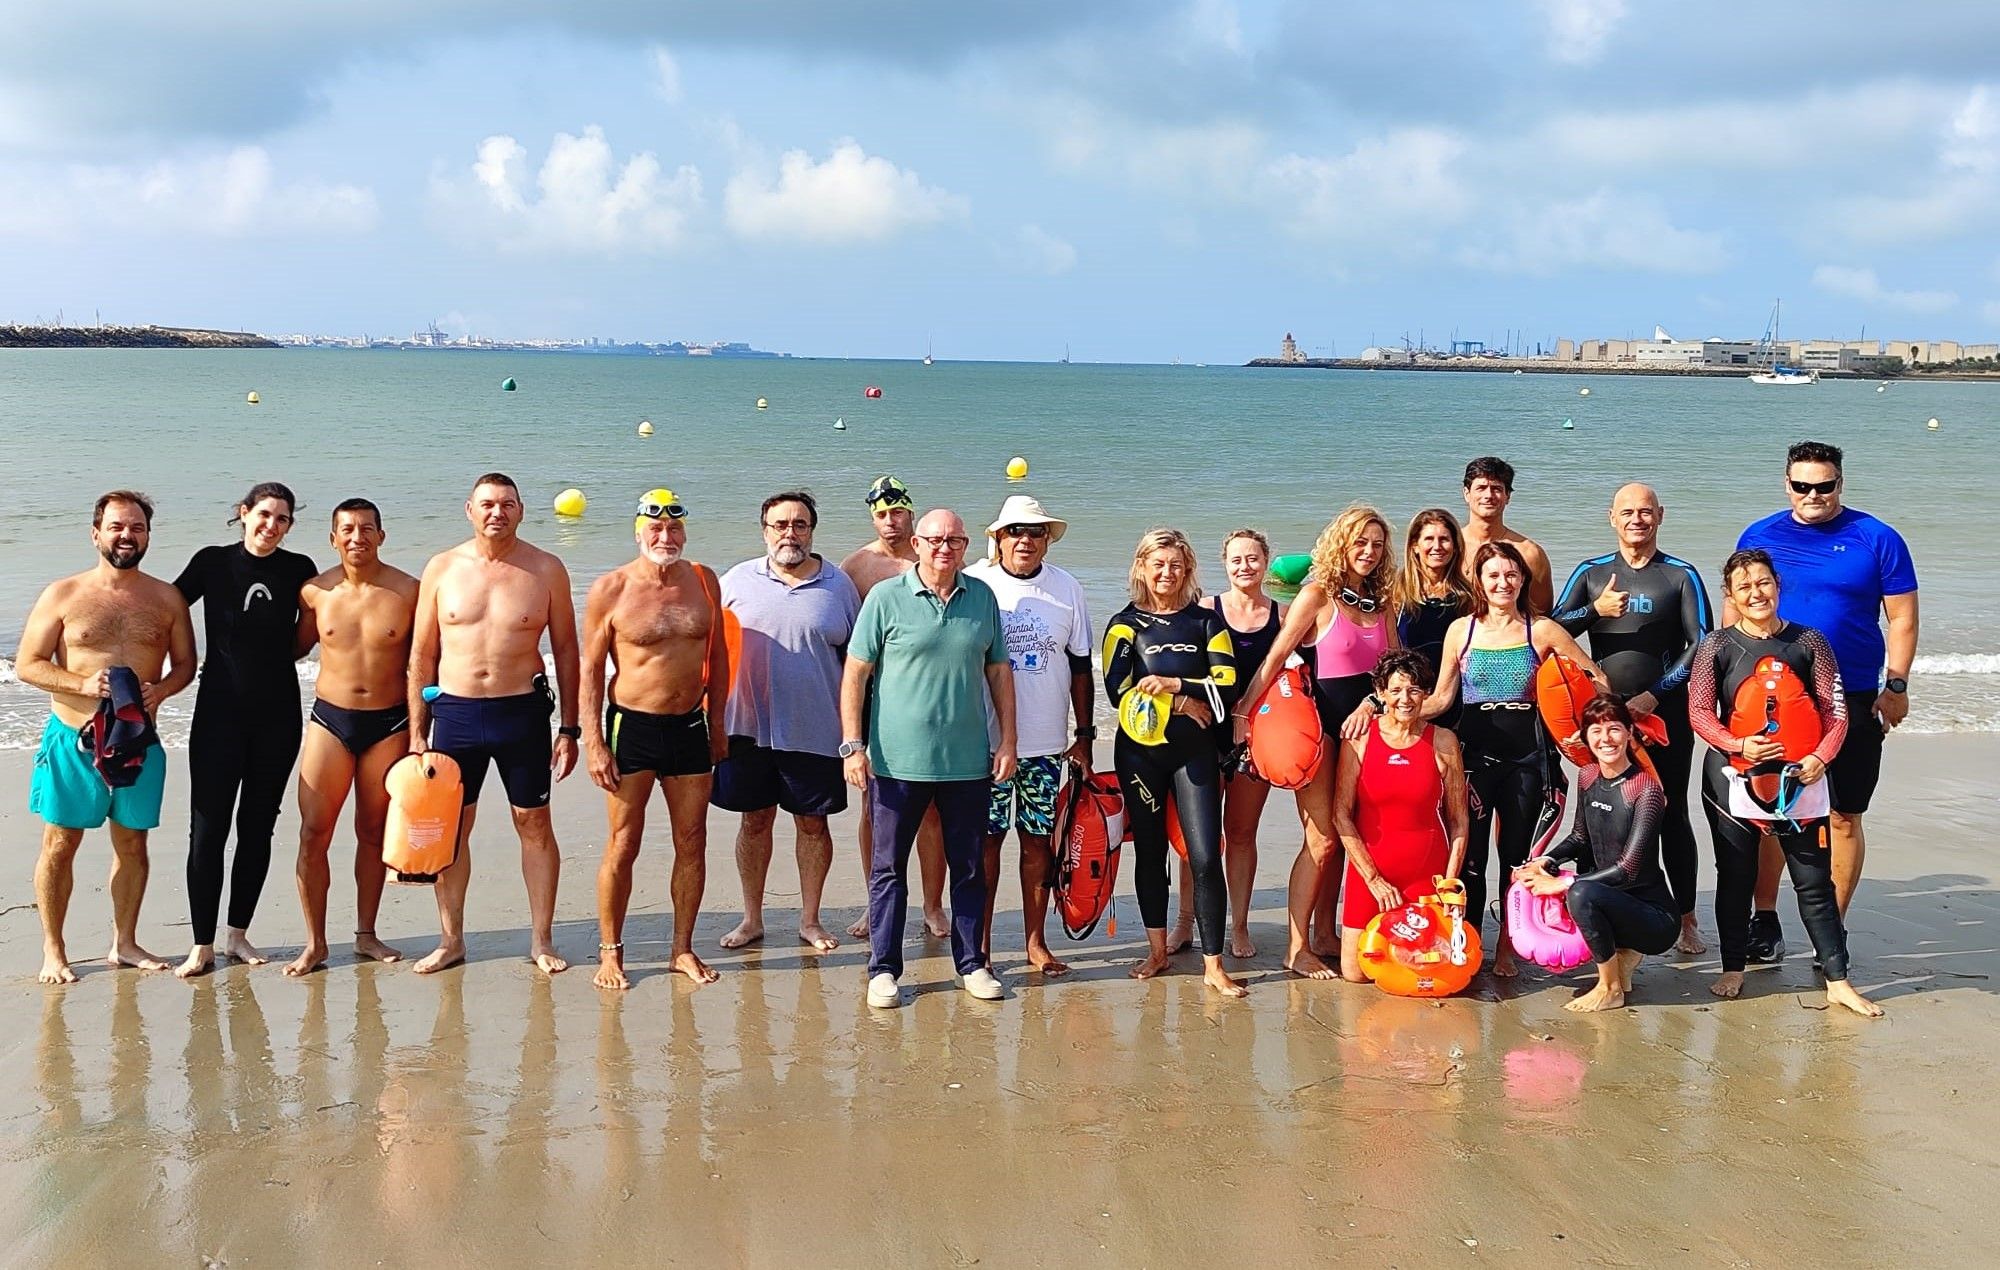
(1139, 182)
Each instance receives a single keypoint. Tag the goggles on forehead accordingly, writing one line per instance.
(662, 503)
(887, 490)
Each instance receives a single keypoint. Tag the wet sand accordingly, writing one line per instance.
(490, 1116)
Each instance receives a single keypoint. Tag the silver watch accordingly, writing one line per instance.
(848, 749)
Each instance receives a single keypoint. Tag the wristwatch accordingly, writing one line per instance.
(1088, 732)
(1895, 684)
(848, 749)
(572, 731)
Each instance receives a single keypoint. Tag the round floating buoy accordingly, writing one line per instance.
(1583, 392)
(645, 427)
(763, 404)
(1933, 425)
(1881, 388)
(840, 425)
(253, 399)
(507, 384)
(1518, 372)
(1569, 425)
(871, 391)
(571, 502)
(1017, 468)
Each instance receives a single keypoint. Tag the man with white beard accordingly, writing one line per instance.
(658, 620)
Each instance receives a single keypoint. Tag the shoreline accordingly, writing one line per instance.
(1538, 366)
(128, 337)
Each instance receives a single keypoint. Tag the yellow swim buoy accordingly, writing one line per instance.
(571, 502)
(253, 399)
(645, 427)
(763, 404)
(1017, 468)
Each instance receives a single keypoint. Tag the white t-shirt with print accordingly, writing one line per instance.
(1045, 619)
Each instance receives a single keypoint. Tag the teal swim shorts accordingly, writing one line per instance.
(67, 792)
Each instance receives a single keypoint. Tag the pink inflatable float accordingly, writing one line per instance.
(1540, 929)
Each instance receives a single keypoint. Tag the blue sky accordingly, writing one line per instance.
(1141, 181)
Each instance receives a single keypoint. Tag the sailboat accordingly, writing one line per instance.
(927, 350)
(1780, 374)
(1065, 360)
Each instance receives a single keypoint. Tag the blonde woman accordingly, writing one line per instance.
(1345, 611)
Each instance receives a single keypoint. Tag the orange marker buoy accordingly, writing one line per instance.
(426, 798)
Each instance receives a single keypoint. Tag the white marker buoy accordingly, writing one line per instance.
(645, 427)
(763, 404)
(1583, 392)
(1569, 425)
(1933, 425)
(253, 399)
(1881, 388)
(840, 425)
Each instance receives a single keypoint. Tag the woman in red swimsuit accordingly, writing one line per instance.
(1398, 804)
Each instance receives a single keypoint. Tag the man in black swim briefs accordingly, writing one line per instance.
(482, 610)
(1645, 612)
(658, 619)
(360, 614)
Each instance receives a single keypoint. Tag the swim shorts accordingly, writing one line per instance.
(512, 732)
(67, 792)
(1852, 776)
(663, 744)
(755, 777)
(360, 731)
(1028, 797)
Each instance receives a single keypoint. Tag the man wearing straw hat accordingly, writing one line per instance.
(1047, 626)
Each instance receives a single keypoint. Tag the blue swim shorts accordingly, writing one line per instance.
(67, 792)
(1028, 798)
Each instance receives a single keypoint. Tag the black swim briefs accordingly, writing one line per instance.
(663, 744)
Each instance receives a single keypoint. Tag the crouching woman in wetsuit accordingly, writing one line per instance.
(1165, 642)
(1618, 898)
(1722, 664)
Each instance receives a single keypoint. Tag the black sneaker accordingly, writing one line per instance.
(1767, 940)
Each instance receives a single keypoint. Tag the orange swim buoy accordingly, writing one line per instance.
(426, 799)
(1286, 740)
(1562, 690)
(1425, 948)
(1089, 837)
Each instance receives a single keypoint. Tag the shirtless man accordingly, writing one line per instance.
(82, 626)
(1489, 487)
(360, 615)
(658, 619)
(481, 613)
(891, 555)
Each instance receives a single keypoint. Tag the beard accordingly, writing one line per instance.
(661, 556)
(123, 555)
(789, 556)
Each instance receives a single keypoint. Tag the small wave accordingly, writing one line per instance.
(7, 675)
(1957, 664)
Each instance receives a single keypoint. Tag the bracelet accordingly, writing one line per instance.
(611, 947)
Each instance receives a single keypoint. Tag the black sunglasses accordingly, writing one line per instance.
(1815, 487)
(1024, 531)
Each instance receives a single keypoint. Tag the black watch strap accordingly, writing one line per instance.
(572, 731)
(1088, 732)
(1896, 685)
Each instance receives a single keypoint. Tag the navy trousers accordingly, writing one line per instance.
(895, 809)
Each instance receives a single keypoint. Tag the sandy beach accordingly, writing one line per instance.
(369, 1116)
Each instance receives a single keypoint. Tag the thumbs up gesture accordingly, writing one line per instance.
(1612, 602)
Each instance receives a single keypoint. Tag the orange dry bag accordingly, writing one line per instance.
(1089, 836)
(1425, 948)
(420, 840)
(1285, 737)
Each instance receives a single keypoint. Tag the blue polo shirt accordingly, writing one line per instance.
(927, 715)
(785, 692)
(1832, 577)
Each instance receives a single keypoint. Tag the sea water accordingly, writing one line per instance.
(1114, 449)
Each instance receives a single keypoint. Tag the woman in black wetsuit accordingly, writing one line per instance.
(247, 722)
(1253, 618)
(1165, 642)
(1618, 898)
(1430, 592)
(1725, 660)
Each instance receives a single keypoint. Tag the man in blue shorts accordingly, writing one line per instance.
(1843, 572)
(108, 618)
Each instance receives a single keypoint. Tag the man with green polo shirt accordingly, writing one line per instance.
(931, 640)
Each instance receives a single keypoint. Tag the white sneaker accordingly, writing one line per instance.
(982, 983)
(884, 993)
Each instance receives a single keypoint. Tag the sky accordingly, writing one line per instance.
(1137, 181)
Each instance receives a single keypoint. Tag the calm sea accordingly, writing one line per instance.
(1115, 449)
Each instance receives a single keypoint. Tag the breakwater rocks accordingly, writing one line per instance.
(127, 337)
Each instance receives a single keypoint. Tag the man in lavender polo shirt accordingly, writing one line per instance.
(797, 613)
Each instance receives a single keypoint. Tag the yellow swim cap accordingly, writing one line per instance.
(657, 503)
(1143, 716)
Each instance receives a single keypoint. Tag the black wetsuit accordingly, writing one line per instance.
(247, 723)
(1422, 629)
(1723, 662)
(1648, 649)
(1619, 898)
(1192, 645)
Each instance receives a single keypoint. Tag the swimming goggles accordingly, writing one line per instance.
(654, 508)
(889, 491)
(1354, 599)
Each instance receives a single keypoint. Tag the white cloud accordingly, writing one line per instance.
(1216, 23)
(1577, 30)
(581, 199)
(1862, 284)
(1401, 185)
(850, 197)
(666, 75)
(1961, 193)
(233, 194)
(1035, 250)
(1604, 230)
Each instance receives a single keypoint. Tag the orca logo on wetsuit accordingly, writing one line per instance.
(256, 589)
(1169, 648)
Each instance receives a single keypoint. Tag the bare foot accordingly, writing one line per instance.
(446, 955)
(611, 971)
(1308, 964)
(199, 962)
(859, 930)
(55, 967)
(1843, 993)
(1504, 966)
(237, 947)
(1181, 936)
(695, 968)
(133, 956)
(936, 924)
(814, 934)
(366, 945)
(1628, 961)
(1047, 962)
(311, 959)
(1690, 940)
(1219, 979)
(1152, 965)
(1601, 997)
(1728, 985)
(1240, 946)
(746, 933)
(545, 958)
(1325, 951)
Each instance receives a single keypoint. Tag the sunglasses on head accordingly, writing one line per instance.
(1354, 599)
(1815, 487)
(654, 510)
(1024, 531)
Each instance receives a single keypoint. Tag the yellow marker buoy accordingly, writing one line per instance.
(571, 502)
(645, 427)
(1017, 468)
(1933, 425)
(763, 404)
(253, 399)
(1583, 392)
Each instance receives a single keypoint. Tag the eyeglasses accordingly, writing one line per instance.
(793, 526)
(654, 510)
(1821, 488)
(1354, 599)
(955, 542)
(1024, 531)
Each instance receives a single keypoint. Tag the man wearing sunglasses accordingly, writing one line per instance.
(931, 643)
(1047, 621)
(658, 621)
(1844, 571)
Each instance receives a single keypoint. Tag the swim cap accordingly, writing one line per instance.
(657, 503)
(887, 491)
(1143, 716)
